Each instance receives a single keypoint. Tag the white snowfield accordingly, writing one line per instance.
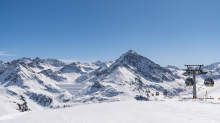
(169, 111)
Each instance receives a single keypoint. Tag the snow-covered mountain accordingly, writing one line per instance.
(35, 80)
(128, 76)
(76, 71)
(213, 70)
(125, 78)
(3, 66)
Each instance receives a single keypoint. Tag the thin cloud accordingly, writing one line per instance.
(3, 53)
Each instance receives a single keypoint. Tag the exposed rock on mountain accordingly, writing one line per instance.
(128, 77)
(30, 78)
(52, 75)
(73, 67)
(213, 70)
(137, 65)
(3, 66)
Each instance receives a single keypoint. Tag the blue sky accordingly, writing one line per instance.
(169, 32)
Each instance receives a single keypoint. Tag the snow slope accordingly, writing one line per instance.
(50, 83)
(169, 111)
(211, 91)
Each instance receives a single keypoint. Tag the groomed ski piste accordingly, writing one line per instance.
(157, 110)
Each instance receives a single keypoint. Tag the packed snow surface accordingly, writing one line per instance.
(168, 111)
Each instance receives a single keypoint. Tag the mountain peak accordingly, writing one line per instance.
(131, 52)
(97, 62)
(36, 59)
(75, 63)
(1, 61)
(21, 60)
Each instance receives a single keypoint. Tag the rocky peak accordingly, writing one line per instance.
(75, 66)
(130, 53)
(76, 63)
(97, 62)
(212, 66)
(1, 61)
(134, 59)
(2, 64)
(55, 62)
(36, 59)
(21, 60)
(139, 64)
(172, 67)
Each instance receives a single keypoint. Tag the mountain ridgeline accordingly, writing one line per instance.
(130, 75)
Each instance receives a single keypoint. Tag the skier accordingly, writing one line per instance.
(21, 108)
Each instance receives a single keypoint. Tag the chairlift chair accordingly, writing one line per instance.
(152, 94)
(157, 93)
(189, 81)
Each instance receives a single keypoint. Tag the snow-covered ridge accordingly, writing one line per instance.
(126, 77)
(36, 80)
(3, 66)
(213, 70)
(33, 80)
